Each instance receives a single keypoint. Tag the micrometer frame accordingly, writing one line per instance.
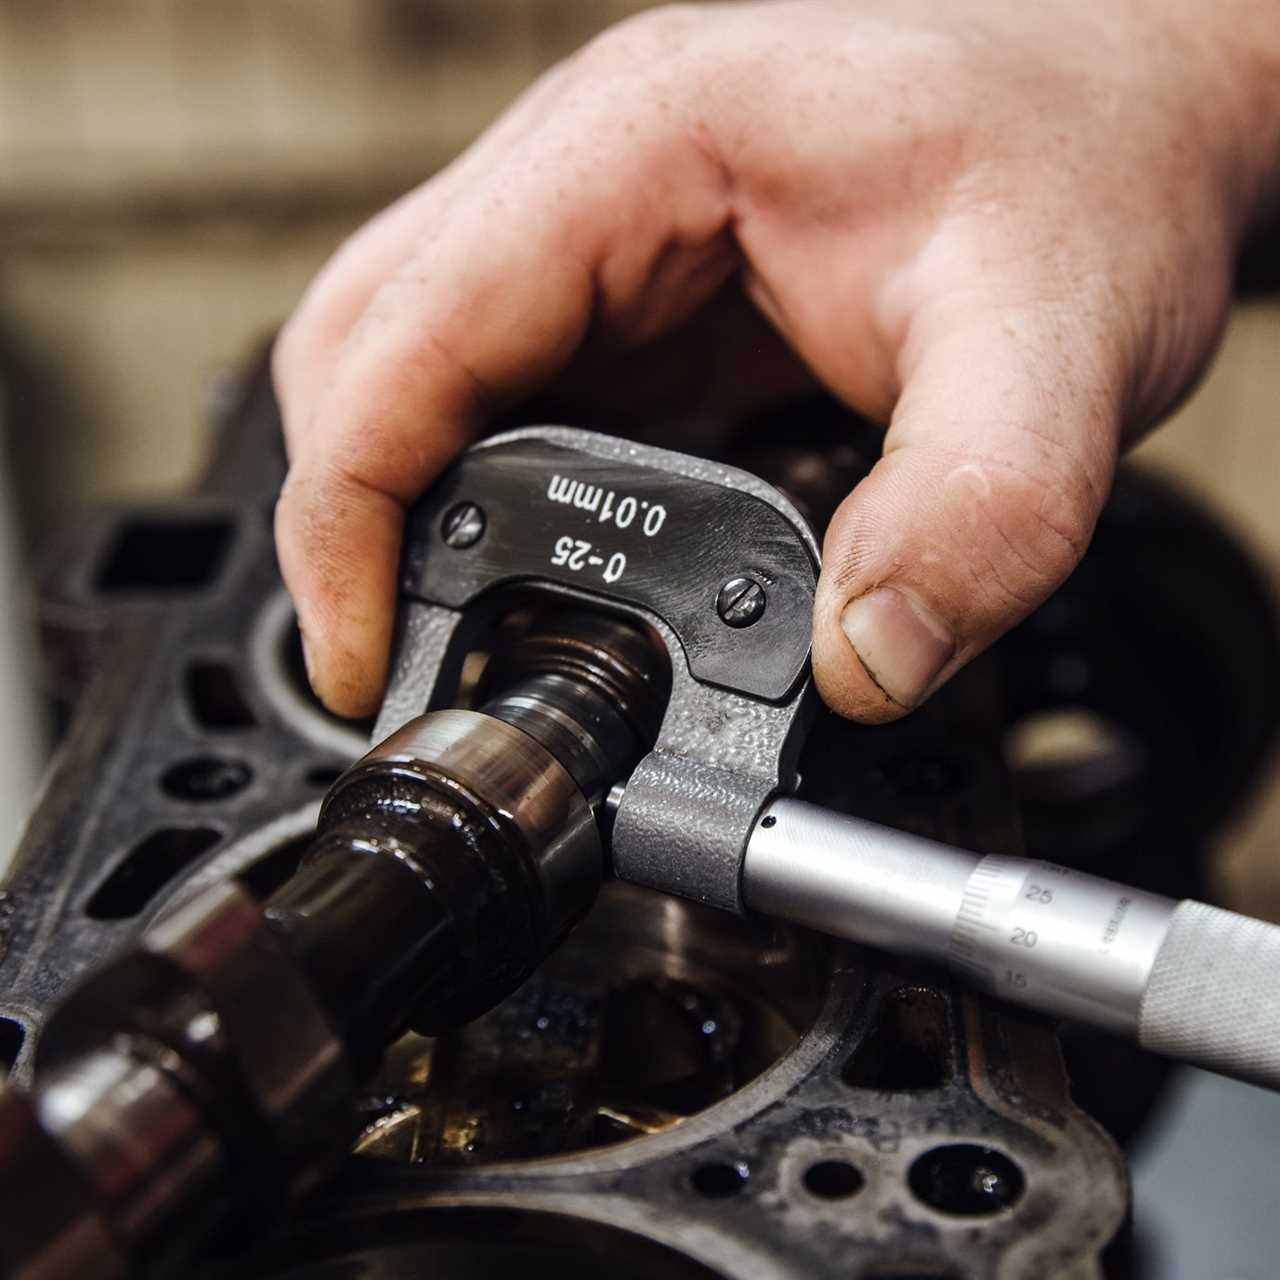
(722, 753)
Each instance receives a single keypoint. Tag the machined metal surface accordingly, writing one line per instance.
(1032, 932)
(141, 1141)
(526, 783)
(844, 1149)
(1184, 979)
(204, 1078)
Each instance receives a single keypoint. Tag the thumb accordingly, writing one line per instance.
(997, 461)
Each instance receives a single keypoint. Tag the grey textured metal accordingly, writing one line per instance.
(682, 825)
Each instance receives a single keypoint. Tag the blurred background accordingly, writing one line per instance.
(171, 175)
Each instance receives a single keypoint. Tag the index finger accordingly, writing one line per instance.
(582, 220)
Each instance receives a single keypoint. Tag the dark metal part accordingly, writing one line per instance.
(60, 1231)
(737, 707)
(669, 1153)
(614, 521)
(741, 602)
(463, 526)
(205, 1076)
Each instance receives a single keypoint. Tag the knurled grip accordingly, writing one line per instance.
(1213, 998)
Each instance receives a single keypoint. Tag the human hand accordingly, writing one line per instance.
(1007, 231)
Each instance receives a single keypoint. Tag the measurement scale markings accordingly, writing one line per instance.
(970, 942)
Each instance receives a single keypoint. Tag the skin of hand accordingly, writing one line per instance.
(1007, 231)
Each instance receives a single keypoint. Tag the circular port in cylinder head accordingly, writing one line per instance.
(275, 647)
(653, 1010)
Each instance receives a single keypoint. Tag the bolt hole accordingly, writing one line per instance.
(720, 1180)
(833, 1179)
(906, 1049)
(12, 1034)
(147, 868)
(323, 776)
(966, 1180)
(206, 778)
(214, 696)
(165, 555)
(263, 877)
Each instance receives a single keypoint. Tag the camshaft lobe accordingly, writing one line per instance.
(206, 1076)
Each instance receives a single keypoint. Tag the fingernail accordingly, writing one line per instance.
(900, 643)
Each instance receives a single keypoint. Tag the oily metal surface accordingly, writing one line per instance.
(847, 1114)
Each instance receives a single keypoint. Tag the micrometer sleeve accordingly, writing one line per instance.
(1183, 979)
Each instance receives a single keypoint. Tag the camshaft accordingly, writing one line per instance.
(201, 1083)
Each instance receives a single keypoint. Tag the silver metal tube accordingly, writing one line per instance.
(855, 879)
(1183, 979)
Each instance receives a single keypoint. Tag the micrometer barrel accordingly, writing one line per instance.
(1184, 979)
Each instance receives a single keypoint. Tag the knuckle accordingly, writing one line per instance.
(1029, 525)
(640, 41)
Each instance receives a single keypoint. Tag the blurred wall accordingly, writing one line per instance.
(1225, 444)
(23, 745)
(173, 171)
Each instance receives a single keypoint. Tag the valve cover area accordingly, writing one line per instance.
(677, 1092)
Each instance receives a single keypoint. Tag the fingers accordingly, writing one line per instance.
(305, 352)
(442, 345)
(999, 455)
(727, 361)
(565, 220)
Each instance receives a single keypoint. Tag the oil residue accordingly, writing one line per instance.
(654, 1011)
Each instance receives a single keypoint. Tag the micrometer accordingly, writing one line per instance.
(600, 666)
(707, 816)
